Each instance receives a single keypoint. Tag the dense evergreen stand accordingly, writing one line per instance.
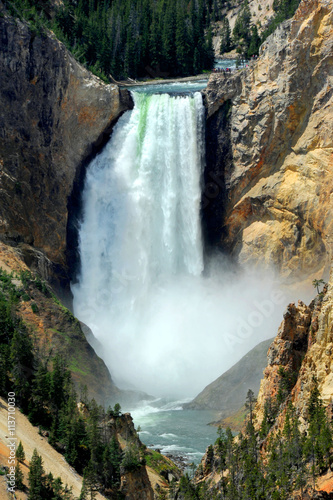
(45, 393)
(129, 38)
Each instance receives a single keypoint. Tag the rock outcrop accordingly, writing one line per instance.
(301, 357)
(303, 347)
(136, 486)
(269, 175)
(53, 116)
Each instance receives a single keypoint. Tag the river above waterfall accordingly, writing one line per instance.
(185, 86)
(179, 87)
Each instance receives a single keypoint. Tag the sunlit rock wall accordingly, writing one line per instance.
(269, 178)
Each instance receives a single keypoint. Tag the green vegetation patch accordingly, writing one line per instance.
(73, 367)
(158, 462)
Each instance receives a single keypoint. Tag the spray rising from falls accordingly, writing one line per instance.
(162, 325)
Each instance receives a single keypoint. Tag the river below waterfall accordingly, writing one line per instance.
(182, 434)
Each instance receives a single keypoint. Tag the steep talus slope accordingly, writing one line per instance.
(135, 485)
(269, 176)
(53, 113)
(54, 330)
(228, 392)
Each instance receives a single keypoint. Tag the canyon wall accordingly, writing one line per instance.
(268, 193)
(54, 330)
(54, 114)
(303, 348)
(298, 361)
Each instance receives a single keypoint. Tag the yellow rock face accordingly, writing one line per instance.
(278, 172)
(304, 346)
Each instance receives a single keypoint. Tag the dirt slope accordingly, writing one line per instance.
(52, 460)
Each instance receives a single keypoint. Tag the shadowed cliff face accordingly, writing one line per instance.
(54, 115)
(54, 330)
(278, 172)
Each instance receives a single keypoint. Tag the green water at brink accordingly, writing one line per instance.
(174, 431)
(172, 88)
(181, 87)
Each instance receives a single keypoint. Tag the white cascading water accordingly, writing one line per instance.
(141, 222)
(163, 327)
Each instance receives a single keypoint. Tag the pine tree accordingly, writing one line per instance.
(155, 42)
(225, 45)
(84, 490)
(19, 477)
(249, 403)
(255, 42)
(270, 412)
(36, 477)
(222, 448)
(111, 463)
(59, 382)
(94, 436)
(131, 458)
(168, 39)
(182, 42)
(242, 25)
(210, 54)
(21, 359)
(197, 64)
(90, 483)
(319, 441)
(40, 397)
(20, 455)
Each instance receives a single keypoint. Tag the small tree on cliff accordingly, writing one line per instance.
(90, 484)
(242, 25)
(19, 477)
(319, 439)
(317, 283)
(250, 402)
(36, 477)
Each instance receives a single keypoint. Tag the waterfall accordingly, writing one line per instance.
(141, 230)
(163, 326)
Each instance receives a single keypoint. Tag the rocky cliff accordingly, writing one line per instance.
(269, 177)
(53, 116)
(299, 360)
(303, 348)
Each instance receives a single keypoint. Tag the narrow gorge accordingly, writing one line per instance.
(175, 225)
